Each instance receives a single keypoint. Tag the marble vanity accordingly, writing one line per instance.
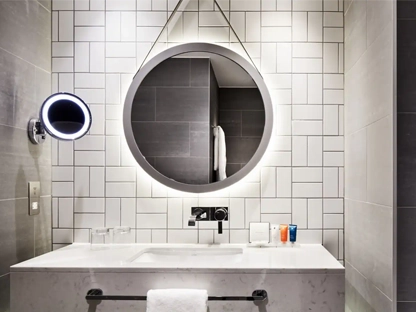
(299, 279)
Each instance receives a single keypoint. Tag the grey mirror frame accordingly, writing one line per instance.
(186, 48)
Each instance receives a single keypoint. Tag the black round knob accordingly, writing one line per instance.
(220, 214)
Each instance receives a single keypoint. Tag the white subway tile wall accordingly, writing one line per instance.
(298, 47)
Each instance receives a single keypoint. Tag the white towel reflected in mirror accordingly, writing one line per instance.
(220, 154)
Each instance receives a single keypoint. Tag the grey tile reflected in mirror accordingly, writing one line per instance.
(180, 103)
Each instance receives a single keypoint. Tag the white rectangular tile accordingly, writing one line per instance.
(307, 49)
(331, 58)
(307, 5)
(306, 174)
(315, 151)
(113, 26)
(309, 237)
(175, 210)
(299, 89)
(97, 57)
(330, 120)
(128, 212)
(307, 112)
(151, 221)
(159, 236)
(82, 182)
(120, 65)
(276, 205)
(283, 117)
(82, 59)
(307, 190)
(252, 213)
(120, 174)
(315, 89)
(97, 182)
(300, 213)
(299, 26)
(306, 127)
(333, 205)
(94, 205)
(237, 213)
(276, 19)
(90, 143)
(89, 18)
(89, 221)
(333, 143)
(62, 174)
(112, 152)
(276, 34)
(331, 242)
(307, 65)
(334, 97)
(152, 205)
(113, 189)
(93, 33)
(333, 35)
(314, 26)
(330, 182)
(276, 218)
(151, 19)
(245, 5)
(333, 159)
(121, 5)
(89, 158)
(333, 81)
(66, 26)
(314, 213)
(62, 65)
(299, 150)
(120, 49)
(333, 19)
(62, 49)
(128, 26)
(268, 58)
(62, 236)
(66, 213)
(268, 182)
(182, 236)
(284, 182)
(143, 236)
(112, 212)
(333, 221)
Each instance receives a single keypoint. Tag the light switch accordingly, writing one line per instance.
(34, 198)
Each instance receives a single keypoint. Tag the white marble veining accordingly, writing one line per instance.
(121, 258)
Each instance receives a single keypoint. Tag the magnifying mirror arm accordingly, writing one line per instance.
(36, 131)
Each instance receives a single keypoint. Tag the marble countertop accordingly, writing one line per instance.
(306, 258)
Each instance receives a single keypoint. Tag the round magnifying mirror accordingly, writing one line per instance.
(198, 117)
(65, 116)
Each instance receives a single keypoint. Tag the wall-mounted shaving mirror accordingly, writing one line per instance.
(64, 116)
(198, 117)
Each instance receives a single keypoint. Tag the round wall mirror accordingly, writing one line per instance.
(198, 117)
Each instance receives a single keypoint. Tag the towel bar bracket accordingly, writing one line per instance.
(98, 294)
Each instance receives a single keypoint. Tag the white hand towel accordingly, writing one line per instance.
(177, 300)
(216, 148)
(222, 155)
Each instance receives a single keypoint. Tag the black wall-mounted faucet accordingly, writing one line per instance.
(218, 214)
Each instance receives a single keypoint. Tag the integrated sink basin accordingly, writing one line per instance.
(172, 255)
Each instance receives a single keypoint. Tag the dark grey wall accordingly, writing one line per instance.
(171, 119)
(25, 80)
(406, 156)
(241, 115)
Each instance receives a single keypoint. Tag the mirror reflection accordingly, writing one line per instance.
(198, 118)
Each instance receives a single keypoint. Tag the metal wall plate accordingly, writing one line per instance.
(34, 198)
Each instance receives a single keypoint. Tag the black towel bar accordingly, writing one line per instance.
(98, 294)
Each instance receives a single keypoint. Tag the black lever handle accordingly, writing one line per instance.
(219, 227)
